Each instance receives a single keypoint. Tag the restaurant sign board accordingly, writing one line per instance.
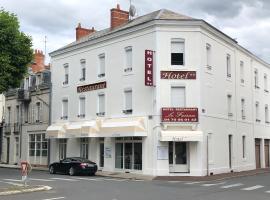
(178, 74)
(179, 114)
(90, 87)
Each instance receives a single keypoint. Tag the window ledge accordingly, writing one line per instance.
(100, 114)
(65, 85)
(258, 120)
(229, 79)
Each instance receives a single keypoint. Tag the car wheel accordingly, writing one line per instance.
(71, 171)
(52, 170)
(92, 174)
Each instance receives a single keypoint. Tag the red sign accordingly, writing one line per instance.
(148, 80)
(178, 74)
(90, 87)
(179, 115)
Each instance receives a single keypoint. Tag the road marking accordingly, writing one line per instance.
(213, 184)
(11, 183)
(253, 187)
(191, 183)
(16, 180)
(37, 179)
(175, 181)
(232, 185)
(113, 179)
(55, 198)
(90, 179)
(267, 191)
(64, 179)
(138, 180)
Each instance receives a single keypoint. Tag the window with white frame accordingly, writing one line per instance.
(229, 106)
(208, 57)
(266, 113)
(257, 111)
(256, 78)
(26, 85)
(101, 104)
(66, 77)
(81, 107)
(128, 101)
(128, 51)
(265, 83)
(64, 109)
(244, 146)
(62, 148)
(178, 96)
(242, 72)
(101, 69)
(83, 70)
(38, 146)
(26, 113)
(228, 65)
(38, 111)
(243, 112)
(17, 114)
(17, 146)
(177, 51)
(84, 148)
(8, 114)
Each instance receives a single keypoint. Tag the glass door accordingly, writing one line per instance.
(128, 156)
(101, 155)
(178, 157)
(119, 155)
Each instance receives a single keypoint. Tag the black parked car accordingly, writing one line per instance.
(73, 166)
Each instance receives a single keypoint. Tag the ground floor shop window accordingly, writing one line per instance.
(84, 148)
(62, 148)
(38, 148)
(128, 153)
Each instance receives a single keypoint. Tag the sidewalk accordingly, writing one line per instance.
(214, 177)
(125, 175)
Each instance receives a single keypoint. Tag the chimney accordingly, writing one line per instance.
(118, 17)
(38, 64)
(81, 32)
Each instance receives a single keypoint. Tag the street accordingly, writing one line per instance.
(104, 188)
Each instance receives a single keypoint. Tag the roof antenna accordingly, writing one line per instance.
(132, 10)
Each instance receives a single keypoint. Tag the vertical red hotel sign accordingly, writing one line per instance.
(148, 81)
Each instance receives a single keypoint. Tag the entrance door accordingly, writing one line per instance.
(178, 157)
(128, 155)
(8, 145)
(101, 155)
(266, 152)
(257, 153)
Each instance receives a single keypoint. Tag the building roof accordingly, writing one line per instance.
(162, 14)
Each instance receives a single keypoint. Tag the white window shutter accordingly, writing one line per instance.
(128, 99)
(101, 102)
(178, 97)
(177, 47)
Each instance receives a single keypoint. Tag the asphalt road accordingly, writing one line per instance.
(101, 188)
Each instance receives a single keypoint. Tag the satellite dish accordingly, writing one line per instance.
(132, 10)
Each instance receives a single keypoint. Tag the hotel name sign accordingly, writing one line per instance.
(90, 87)
(178, 75)
(179, 115)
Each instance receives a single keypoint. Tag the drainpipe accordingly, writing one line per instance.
(50, 119)
(207, 154)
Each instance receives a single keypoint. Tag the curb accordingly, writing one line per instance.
(37, 189)
(18, 167)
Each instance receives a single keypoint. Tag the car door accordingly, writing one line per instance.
(64, 165)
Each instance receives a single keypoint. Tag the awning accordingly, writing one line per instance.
(56, 131)
(90, 129)
(73, 130)
(123, 127)
(188, 136)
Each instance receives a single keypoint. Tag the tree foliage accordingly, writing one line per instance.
(15, 51)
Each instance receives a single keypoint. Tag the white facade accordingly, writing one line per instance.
(2, 106)
(224, 80)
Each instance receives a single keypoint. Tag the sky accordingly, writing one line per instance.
(248, 21)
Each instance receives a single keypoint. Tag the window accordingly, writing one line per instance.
(26, 113)
(17, 146)
(101, 69)
(128, 67)
(26, 85)
(228, 64)
(266, 111)
(82, 107)
(38, 146)
(17, 114)
(128, 101)
(244, 146)
(64, 109)
(257, 112)
(84, 148)
(62, 148)
(229, 101)
(38, 79)
(83, 70)
(242, 72)
(177, 51)
(178, 96)
(243, 112)
(265, 83)
(38, 110)
(208, 57)
(66, 78)
(101, 104)
(9, 114)
(256, 79)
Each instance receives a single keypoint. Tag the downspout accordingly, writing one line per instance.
(50, 119)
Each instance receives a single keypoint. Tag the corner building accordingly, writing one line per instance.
(201, 109)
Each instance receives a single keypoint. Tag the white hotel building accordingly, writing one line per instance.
(103, 110)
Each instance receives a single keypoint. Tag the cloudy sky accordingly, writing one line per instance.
(246, 20)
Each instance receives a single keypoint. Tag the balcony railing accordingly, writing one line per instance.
(23, 95)
(7, 128)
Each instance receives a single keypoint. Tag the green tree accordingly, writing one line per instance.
(15, 51)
